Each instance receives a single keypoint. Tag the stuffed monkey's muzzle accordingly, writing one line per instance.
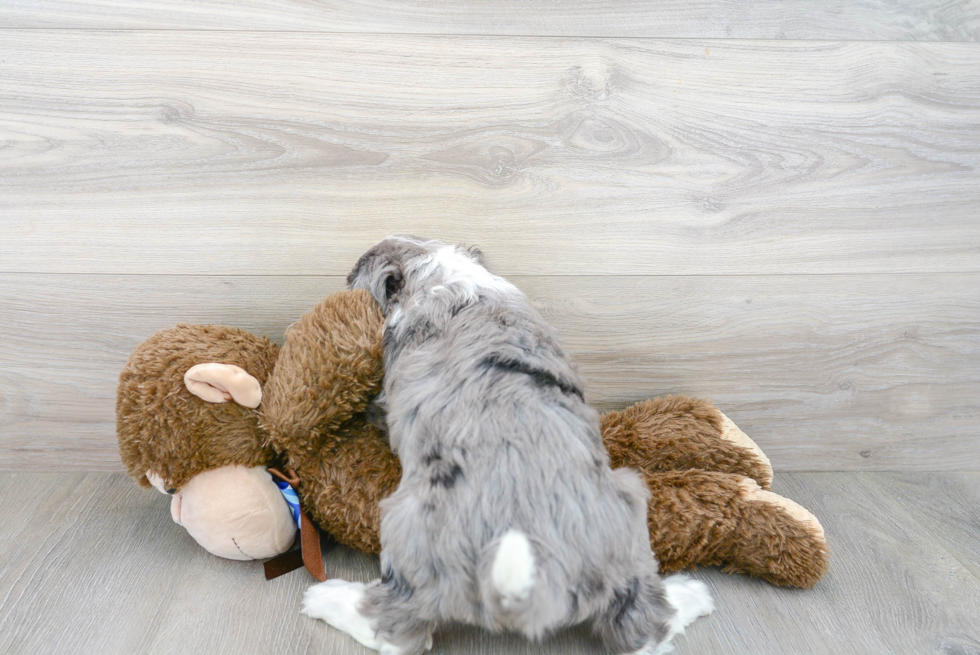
(235, 512)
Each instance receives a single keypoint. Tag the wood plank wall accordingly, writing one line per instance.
(775, 205)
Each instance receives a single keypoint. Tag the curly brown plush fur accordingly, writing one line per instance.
(328, 370)
(705, 510)
(315, 412)
(677, 433)
(707, 518)
(708, 501)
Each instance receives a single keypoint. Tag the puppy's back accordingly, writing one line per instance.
(506, 481)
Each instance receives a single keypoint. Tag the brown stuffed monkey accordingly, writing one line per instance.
(186, 410)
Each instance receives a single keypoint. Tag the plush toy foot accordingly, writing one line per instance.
(705, 518)
(777, 540)
(677, 433)
(731, 434)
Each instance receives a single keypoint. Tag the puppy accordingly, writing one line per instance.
(508, 515)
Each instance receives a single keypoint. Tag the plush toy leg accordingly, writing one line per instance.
(676, 433)
(704, 518)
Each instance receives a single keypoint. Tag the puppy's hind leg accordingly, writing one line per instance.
(371, 614)
(637, 615)
(690, 600)
(392, 605)
(338, 603)
(645, 614)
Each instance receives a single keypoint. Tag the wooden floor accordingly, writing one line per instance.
(90, 563)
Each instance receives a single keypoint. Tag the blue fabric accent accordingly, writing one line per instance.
(291, 499)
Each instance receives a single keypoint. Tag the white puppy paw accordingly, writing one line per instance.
(691, 599)
(336, 602)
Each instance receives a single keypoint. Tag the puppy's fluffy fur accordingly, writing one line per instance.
(508, 514)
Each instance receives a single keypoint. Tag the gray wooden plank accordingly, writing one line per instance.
(103, 569)
(290, 153)
(948, 505)
(891, 587)
(67, 567)
(825, 372)
(759, 19)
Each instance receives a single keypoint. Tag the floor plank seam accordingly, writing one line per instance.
(476, 35)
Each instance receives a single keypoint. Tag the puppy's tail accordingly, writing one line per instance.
(512, 574)
(520, 592)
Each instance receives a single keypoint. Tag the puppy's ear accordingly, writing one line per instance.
(387, 283)
(382, 276)
(477, 255)
(219, 383)
(393, 283)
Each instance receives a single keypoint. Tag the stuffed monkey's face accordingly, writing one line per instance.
(235, 512)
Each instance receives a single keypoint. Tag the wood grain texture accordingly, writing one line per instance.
(99, 567)
(290, 153)
(944, 20)
(948, 505)
(92, 563)
(891, 587)
(825, 372)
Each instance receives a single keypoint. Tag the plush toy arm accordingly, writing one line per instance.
(327, 372)
(704, 518)
(676, 433)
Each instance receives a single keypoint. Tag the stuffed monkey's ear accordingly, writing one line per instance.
(219, 383)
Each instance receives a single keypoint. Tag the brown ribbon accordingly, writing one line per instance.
(308, 553)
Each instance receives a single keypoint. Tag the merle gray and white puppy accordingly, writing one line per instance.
(508, 515)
